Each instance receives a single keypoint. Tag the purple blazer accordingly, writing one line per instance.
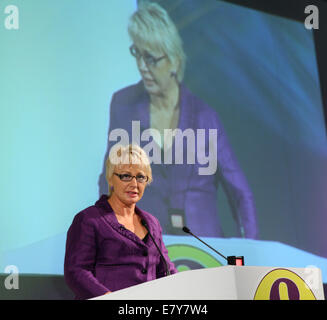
(178, 190)
(101, 255)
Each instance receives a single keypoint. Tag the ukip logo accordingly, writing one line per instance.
(283, 284)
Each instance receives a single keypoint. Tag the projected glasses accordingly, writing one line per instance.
(148, 59)
(127, 177)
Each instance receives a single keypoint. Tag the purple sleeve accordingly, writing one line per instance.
(80, 259)
(236, 187)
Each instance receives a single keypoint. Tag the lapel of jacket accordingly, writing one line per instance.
(186, 121)
(186, 114)
(144, 216)
(110, 217)
(186, 117)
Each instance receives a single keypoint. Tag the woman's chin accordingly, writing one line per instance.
(132, 200)
(151, 87)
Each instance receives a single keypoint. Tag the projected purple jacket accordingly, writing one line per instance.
(101, 255)
(178, 195)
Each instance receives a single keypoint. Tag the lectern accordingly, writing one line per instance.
(229, 283)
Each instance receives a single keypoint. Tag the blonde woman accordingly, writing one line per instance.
(114, 244)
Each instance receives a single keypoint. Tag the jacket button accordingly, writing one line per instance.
(143, 271)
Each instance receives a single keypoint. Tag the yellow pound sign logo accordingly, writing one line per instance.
(283, 284)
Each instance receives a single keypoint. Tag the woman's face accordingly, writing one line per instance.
(128, 192)
(157, 77)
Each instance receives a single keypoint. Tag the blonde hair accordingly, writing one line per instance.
(150, 26)
(131, 154)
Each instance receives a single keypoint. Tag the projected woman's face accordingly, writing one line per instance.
(156, 71)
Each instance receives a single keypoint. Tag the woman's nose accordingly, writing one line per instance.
(133, 181)
(142, 65)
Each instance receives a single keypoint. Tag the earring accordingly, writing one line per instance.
(173, 74)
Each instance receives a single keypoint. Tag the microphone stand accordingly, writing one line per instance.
(231, 260)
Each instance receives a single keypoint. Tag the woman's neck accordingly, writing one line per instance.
(168, 100)
(120, 208)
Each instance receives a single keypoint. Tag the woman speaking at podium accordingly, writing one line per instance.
(114, 244)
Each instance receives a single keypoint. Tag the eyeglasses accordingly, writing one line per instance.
(149, 60)
(127, 177)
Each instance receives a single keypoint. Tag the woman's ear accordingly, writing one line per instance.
(110, 182)
(175, 68)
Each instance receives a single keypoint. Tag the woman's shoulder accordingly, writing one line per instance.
(201, 110)
(150, 218)
(130, 94)
(95, 211)
(198, 103)
(89, 215)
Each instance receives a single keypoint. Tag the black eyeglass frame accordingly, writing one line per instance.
(148, 59)
(120, 176)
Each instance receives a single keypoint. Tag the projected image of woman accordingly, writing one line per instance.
(179, 195)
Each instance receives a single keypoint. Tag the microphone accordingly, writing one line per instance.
(163, 258)
(231, 260)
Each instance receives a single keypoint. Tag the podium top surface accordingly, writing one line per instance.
(227, 283)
